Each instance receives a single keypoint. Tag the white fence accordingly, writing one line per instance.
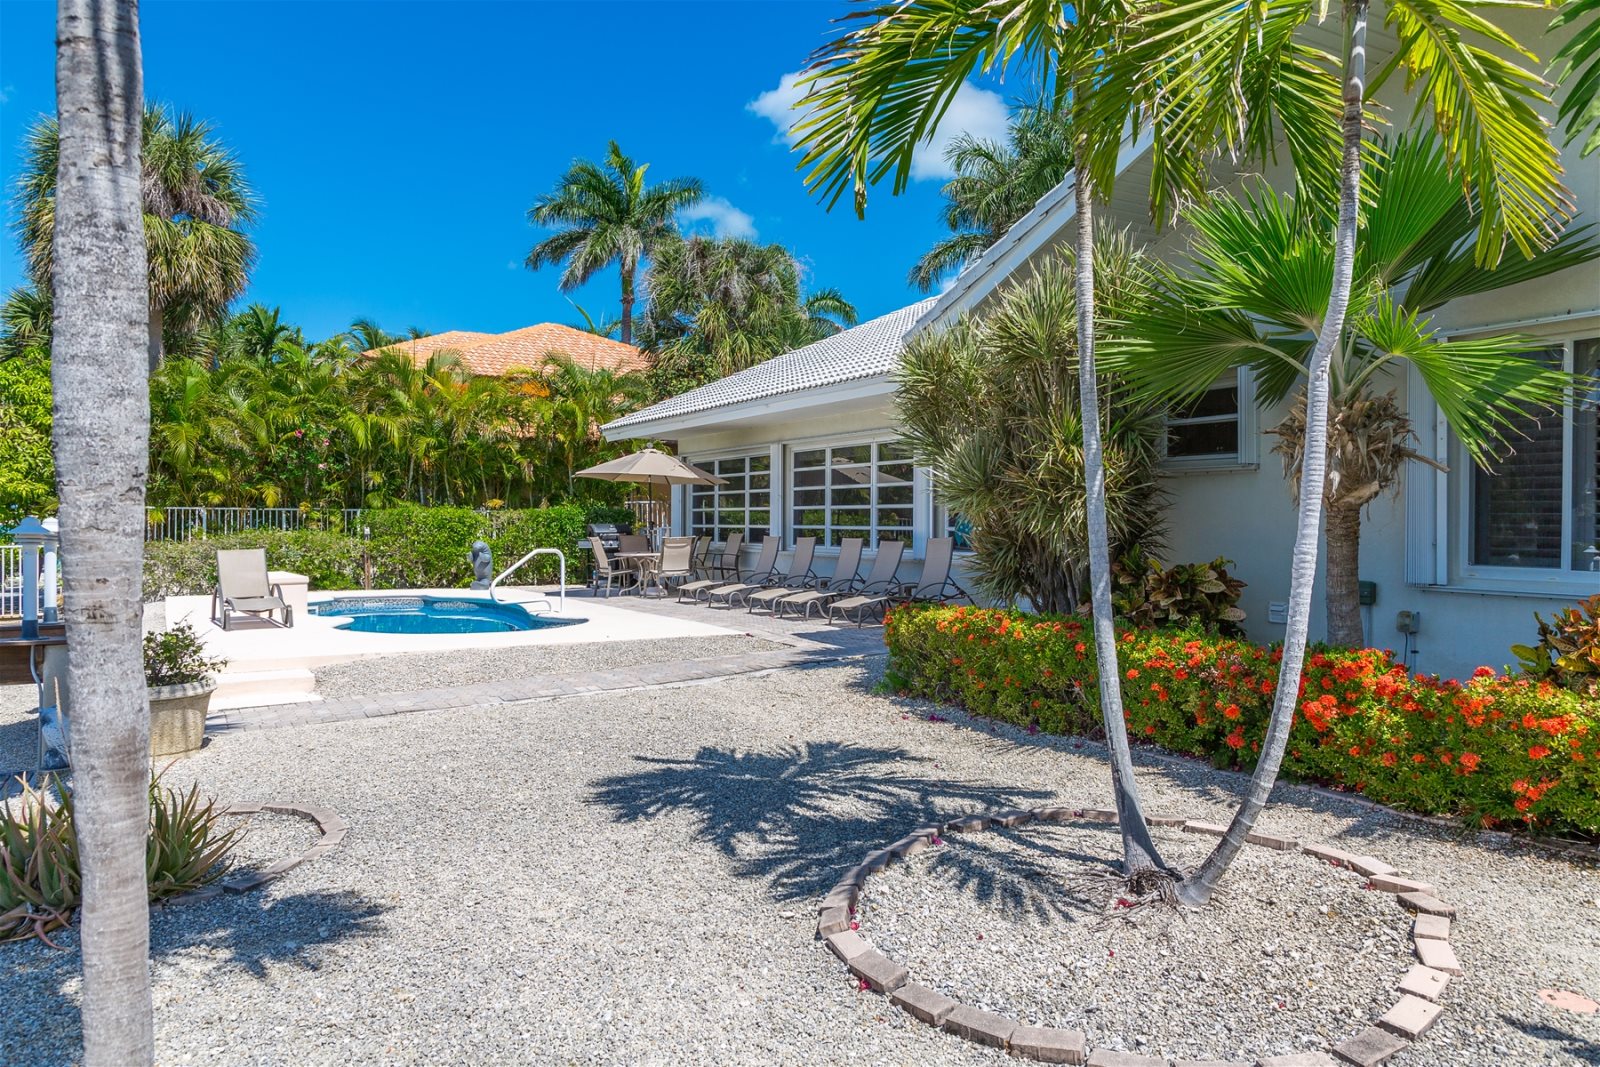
(187, 524)
(11, 581)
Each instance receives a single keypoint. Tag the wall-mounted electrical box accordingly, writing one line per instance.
(1408, 622)
(1368, 593)
(1278, 612)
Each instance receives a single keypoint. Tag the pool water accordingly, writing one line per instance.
(432, 615)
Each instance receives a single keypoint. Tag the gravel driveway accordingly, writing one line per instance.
(630, 878)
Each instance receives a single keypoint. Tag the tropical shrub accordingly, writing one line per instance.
(40, 882)
(1188, 594)
(177, 657)
(1498, 750)
(410, 548)
(1568, 652)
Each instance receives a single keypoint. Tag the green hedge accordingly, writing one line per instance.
(1500, 751)
(411, 548)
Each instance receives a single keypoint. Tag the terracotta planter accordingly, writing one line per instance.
(178, 717)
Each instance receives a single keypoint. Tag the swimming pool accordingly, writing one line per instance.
(433, 615)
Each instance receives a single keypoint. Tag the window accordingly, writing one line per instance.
(852, 491)
(1210, 430)
(742, 505)
(1535, 509)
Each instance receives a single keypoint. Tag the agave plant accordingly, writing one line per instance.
(187, 850)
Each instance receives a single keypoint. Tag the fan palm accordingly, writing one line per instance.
(718, 306)
(1254, 287)
(604, 213)
(995, 185)
(196, 203)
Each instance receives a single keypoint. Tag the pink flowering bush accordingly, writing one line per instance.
(1500, 751)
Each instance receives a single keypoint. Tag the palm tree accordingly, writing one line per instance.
(25, 322)
(582, 399)
(605, 213)
(101, 299)
(1577, 66)
(720, 305)
(1232, 304)
(995, 185)
(196, 203)
(1199, 74)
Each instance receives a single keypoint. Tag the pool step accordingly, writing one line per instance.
(250, 689)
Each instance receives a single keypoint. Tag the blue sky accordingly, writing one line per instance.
(396, 147)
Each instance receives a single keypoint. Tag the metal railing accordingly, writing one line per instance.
(11, 582)
(647, 512)
(560, 555)
(189, 523)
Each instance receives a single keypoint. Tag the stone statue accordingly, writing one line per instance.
(482, 565)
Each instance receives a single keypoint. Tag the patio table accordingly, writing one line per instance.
(641, 562)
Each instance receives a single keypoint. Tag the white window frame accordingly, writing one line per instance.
(1246, 456)
(1439, 511)
(708, 461)
(913, 535)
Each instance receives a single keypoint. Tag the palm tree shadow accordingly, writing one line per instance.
(1020, 873)
(247, 932)
(1581, 1050)
(797, 816)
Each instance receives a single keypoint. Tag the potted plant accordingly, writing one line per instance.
(181, 679)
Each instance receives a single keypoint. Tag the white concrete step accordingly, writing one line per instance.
(249, 689)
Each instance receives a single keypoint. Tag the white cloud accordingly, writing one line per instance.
(979, 112)
(725, 219)
(5, 94)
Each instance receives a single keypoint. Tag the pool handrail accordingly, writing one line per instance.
(560, 555)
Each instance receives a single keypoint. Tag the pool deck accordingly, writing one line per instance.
(269, 681)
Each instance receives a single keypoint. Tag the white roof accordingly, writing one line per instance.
(865, 351)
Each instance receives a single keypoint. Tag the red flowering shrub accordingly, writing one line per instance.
(1502, 751)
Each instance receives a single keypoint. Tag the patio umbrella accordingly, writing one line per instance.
(651, 467)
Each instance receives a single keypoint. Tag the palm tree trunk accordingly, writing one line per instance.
(101, 436)
(1344, 582)
(1138, 850)
(627, 305)
(1313, 473)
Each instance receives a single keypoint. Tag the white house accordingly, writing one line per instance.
(808, 445)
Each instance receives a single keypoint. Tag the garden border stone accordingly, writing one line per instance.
(1413, 1013)
(331, 833)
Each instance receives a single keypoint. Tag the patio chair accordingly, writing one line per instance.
(763, 573)
(797, 579)
(632, 543)
(677, 561)
(846, 578)
(880, 587)
(725, 565)
(244, 588)
(702, 552)
(797, 576)
(727, 559)
(608, 571)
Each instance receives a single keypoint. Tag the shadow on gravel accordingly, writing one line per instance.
(251, 931)
(798, 816)
(247, 931)
(1580, 1049)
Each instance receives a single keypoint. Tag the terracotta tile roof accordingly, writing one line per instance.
(496, 353)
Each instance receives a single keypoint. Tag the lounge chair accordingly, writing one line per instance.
(846, 579)
(243, 587)
(934, 587)
(677, 562)
(799, 576)
(607, 571)
(849, 562)
(762, 574)
(880, 581)
(727, 559)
